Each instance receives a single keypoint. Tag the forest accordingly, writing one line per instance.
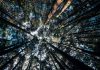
(49, 34)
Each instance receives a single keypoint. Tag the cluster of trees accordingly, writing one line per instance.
(77, 29)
